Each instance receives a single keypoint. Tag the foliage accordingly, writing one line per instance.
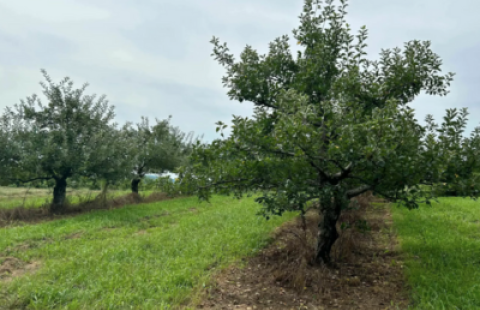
(70, 136)
(155, 148)
(463, 162)
(331, 125)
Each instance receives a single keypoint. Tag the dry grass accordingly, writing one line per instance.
(27, 193)
(20, 192)
(87, 203)
(11, 267)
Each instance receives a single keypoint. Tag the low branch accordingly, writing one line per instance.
(372, 187)
(344, 173)
(357, 191)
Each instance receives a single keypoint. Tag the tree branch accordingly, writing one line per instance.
(357, 191)
(312, 163)
(262, 102)
(344, 173)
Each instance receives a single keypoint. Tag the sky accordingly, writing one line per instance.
(153, 58)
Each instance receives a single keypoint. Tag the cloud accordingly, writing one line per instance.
(154, 58)
(54, 11)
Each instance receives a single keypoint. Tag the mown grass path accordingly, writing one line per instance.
(147, 256)
(441, 245)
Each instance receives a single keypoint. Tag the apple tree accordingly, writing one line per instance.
(331, 125)
(155, 148)
(71, 135)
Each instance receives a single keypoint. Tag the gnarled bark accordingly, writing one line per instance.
(59, 195)
(134, 185)
(327, 231)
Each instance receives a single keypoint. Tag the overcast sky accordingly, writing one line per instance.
(153, 58)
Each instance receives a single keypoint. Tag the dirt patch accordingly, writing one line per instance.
(76, 235)
(140, 232)
(155, 196)
(12, 267)
(366, 273)
(18, 248)
(149, 217)
(12, 250)
(193, 210)
(30, 215)
(23, 214)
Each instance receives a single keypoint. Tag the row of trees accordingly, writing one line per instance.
(327, 126)
(332, 125)
(73, 136)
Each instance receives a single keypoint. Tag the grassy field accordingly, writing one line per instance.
(442, 249)
(153, 256)
(148, 256)
(11, 197)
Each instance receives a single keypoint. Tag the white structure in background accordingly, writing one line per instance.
(172, 175)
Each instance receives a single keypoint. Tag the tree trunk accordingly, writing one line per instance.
(327, 231)
(103, 194)
(59, 195)
(134, 186)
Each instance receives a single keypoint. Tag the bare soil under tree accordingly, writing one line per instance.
(366, 273)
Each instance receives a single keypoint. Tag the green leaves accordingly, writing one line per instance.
(155, 148)
(331, 122)
(58, 139)
(71, 136)
(221, 127)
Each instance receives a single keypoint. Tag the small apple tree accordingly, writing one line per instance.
(155, 148)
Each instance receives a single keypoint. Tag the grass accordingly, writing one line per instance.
(33, 197)
(154, 256)
(442, 248)
(148, 256)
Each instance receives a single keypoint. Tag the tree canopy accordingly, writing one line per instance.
(331, 125)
